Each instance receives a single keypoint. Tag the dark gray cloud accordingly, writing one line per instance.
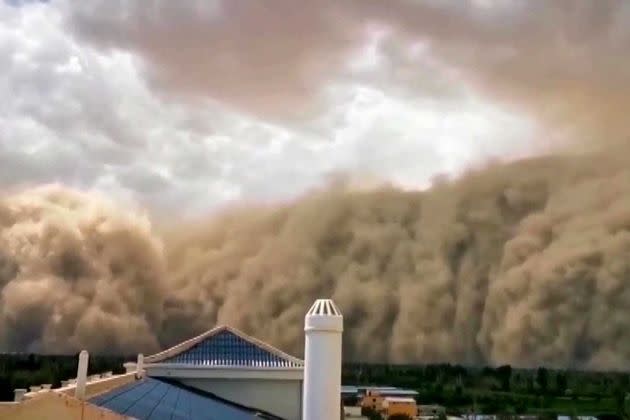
(86, 115)
(261, 54)
(560, 61)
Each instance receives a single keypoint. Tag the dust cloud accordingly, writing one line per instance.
(74, 273)
(525, 263)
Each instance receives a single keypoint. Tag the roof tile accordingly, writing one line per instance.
(224, 346)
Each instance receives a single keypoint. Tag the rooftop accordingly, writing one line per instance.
(398, 392)
(381, 390)
(400, 400)
(225, 346)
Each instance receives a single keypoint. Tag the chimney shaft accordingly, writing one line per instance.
(323, 327)
(82, 374)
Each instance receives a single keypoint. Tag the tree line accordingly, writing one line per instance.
(503, 390)
(462, 390)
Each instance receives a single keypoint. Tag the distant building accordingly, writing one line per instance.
(236, 367)
(399, 405)
(374, 397)
(430, 410)
(373, 400)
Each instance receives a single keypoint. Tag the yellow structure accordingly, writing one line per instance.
(399, 405)
(373, 400)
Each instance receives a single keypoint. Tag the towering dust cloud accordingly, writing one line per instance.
(75, 273)
(525, 263)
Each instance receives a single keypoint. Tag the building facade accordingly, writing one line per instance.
(399, 406)
(232, 365)
(220, 374)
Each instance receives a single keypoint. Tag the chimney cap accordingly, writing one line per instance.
(324, 307)
(324, 316)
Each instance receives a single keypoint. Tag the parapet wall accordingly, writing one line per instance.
(52, 405)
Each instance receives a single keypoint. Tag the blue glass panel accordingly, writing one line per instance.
(152, 399)
(228, 349)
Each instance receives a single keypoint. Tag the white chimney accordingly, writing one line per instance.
(79, 392)
(19, 394)
(323, 327)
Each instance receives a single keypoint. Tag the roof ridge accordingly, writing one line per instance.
(183, 346)
(188, 344)
(265, 346)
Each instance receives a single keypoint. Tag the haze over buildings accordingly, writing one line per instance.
(183, 109)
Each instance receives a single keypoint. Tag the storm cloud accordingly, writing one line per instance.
(564, 61)
(522, 262)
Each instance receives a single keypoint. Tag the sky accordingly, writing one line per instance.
(187, 107)
(190, 106)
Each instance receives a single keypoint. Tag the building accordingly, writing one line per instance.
(431, 410)
(399, 405)
(373, 400)
(236, 367)
(373, 397)
(220, 374)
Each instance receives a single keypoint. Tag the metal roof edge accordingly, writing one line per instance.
(183, 346)
(222, 367)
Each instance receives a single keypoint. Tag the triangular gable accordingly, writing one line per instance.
(225, 346)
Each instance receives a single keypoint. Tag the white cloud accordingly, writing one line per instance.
(81, 114)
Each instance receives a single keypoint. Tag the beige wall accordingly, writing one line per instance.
(99, 386)
(60, 404)
(55, 406)
(280, 397)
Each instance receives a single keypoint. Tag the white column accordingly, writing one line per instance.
(19, 394)
(323, 327)
(140, 366)
(82, 374)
